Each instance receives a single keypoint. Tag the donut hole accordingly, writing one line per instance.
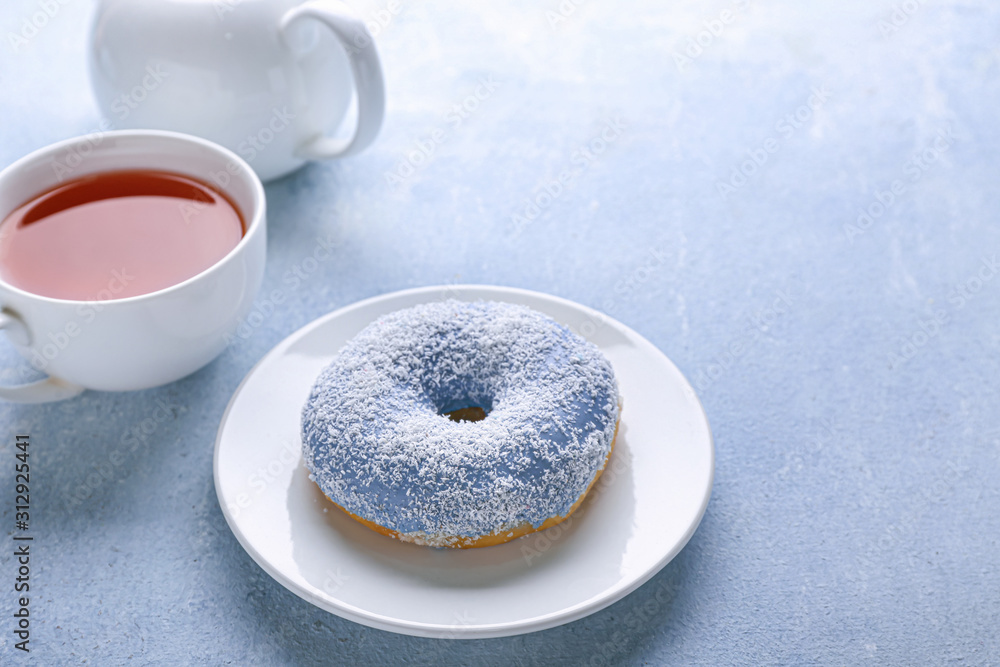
(465, 411)
(460, 386)
(472, 413)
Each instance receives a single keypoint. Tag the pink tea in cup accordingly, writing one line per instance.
(117, 234)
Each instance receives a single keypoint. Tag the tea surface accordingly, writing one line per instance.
(117, 234)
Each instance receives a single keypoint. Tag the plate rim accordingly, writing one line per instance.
(553, 619)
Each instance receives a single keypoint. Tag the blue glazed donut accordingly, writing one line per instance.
(378, 440)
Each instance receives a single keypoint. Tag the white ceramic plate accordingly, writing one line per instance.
(636, 519)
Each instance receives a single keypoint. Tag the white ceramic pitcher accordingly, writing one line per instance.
(268, 79)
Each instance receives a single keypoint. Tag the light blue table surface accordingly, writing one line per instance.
(855, 514)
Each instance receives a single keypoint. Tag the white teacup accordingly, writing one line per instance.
(141, 341)
(268, 79)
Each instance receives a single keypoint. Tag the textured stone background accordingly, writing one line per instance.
(856, 508)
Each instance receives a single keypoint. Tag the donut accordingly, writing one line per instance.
(461, 424)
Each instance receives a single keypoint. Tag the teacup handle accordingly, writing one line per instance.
(44, 391)
(367, 70)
